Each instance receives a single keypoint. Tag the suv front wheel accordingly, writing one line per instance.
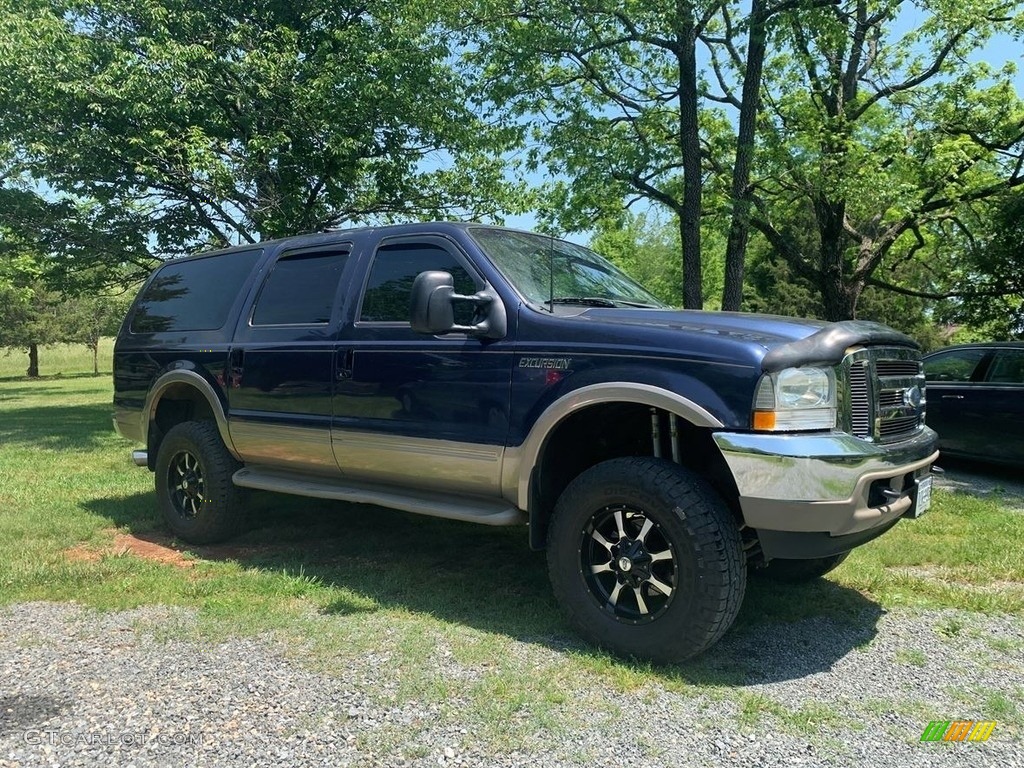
(646, 559)
(198, 501)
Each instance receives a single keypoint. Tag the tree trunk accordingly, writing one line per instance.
(689, 145)
(838, 294)
(739, 228)
(33, 361)
(840, 299)
(95, 357)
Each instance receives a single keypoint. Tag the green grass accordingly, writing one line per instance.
(912, 657)
(57, 360)
(338, 583)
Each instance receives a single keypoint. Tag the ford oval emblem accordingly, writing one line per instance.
(912, 397)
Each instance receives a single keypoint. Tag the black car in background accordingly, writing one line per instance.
(976, 400)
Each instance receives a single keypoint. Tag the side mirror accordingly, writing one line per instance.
(432, 308)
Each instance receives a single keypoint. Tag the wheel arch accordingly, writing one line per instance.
(547, 465)
(177, 396)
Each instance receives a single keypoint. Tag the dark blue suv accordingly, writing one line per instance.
(507, 378)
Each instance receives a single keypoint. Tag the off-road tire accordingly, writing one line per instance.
(209, 509)
(705, 568)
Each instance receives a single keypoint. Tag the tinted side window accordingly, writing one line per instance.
(387, 297)
(300, 289)
(957, 365)
(193, 295)
(1007, 367)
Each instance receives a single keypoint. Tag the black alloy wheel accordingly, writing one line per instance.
(628, 563)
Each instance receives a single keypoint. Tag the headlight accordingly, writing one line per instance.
(794, 399)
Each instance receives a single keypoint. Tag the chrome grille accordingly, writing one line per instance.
(897, 367)
(890, 398)
(884, 394)
(897, 427)
(860, 404)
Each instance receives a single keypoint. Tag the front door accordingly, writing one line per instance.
(420, 410)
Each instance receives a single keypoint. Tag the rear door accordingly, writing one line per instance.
(282, 363)
(418, 410)
(956, 403)
(1000, 431)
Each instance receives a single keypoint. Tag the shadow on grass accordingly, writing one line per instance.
(488, 578)
(56, 427)
(54, 377)
(982, 479)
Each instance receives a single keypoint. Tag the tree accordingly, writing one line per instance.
(29, 318)
(614, 91)
(87, 319)
(984, 288)
(875, 137)
(155, 127)
(647, 249)
(742, 91)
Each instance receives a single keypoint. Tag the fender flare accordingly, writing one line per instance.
(197, 382)
(593, 394)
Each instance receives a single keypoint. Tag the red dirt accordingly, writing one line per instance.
(148, 547)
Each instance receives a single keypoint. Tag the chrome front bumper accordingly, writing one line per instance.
(830, 483)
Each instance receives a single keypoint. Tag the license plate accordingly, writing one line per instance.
(924, 497)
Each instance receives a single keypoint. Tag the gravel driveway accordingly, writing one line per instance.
(984, 480)
(81, 688)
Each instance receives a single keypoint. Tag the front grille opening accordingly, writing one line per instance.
(882, 404)
(877, 489)
(860, 405)
(892, 428)
(891, 399)
(897, 368)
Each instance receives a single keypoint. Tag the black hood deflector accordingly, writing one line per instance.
(829, 345)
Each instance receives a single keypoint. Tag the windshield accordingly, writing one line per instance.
(543, 269)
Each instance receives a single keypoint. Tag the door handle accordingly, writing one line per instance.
(345, 360)
(236, 362)
(952, 397)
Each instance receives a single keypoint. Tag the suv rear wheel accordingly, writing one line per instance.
(198, 501)
(646, 559)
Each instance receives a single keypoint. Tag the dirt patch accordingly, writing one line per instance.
(82, 554)
(162, 548)
(148, 548)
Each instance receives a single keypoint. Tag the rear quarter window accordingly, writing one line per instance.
(193, 294)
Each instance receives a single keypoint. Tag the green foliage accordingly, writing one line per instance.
(772, 288)
(88, 319)
(611, 93)
(647, 249)
(33, 312)
(155, 127)
(988, 276)
(28, 306)
(881, 135)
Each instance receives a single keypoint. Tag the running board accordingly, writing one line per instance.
(432, 503)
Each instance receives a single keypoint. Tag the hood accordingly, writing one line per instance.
(785, 341)
(766, 330)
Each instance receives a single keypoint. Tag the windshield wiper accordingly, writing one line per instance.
(638, 304)
(600, 301)
(587, 301)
